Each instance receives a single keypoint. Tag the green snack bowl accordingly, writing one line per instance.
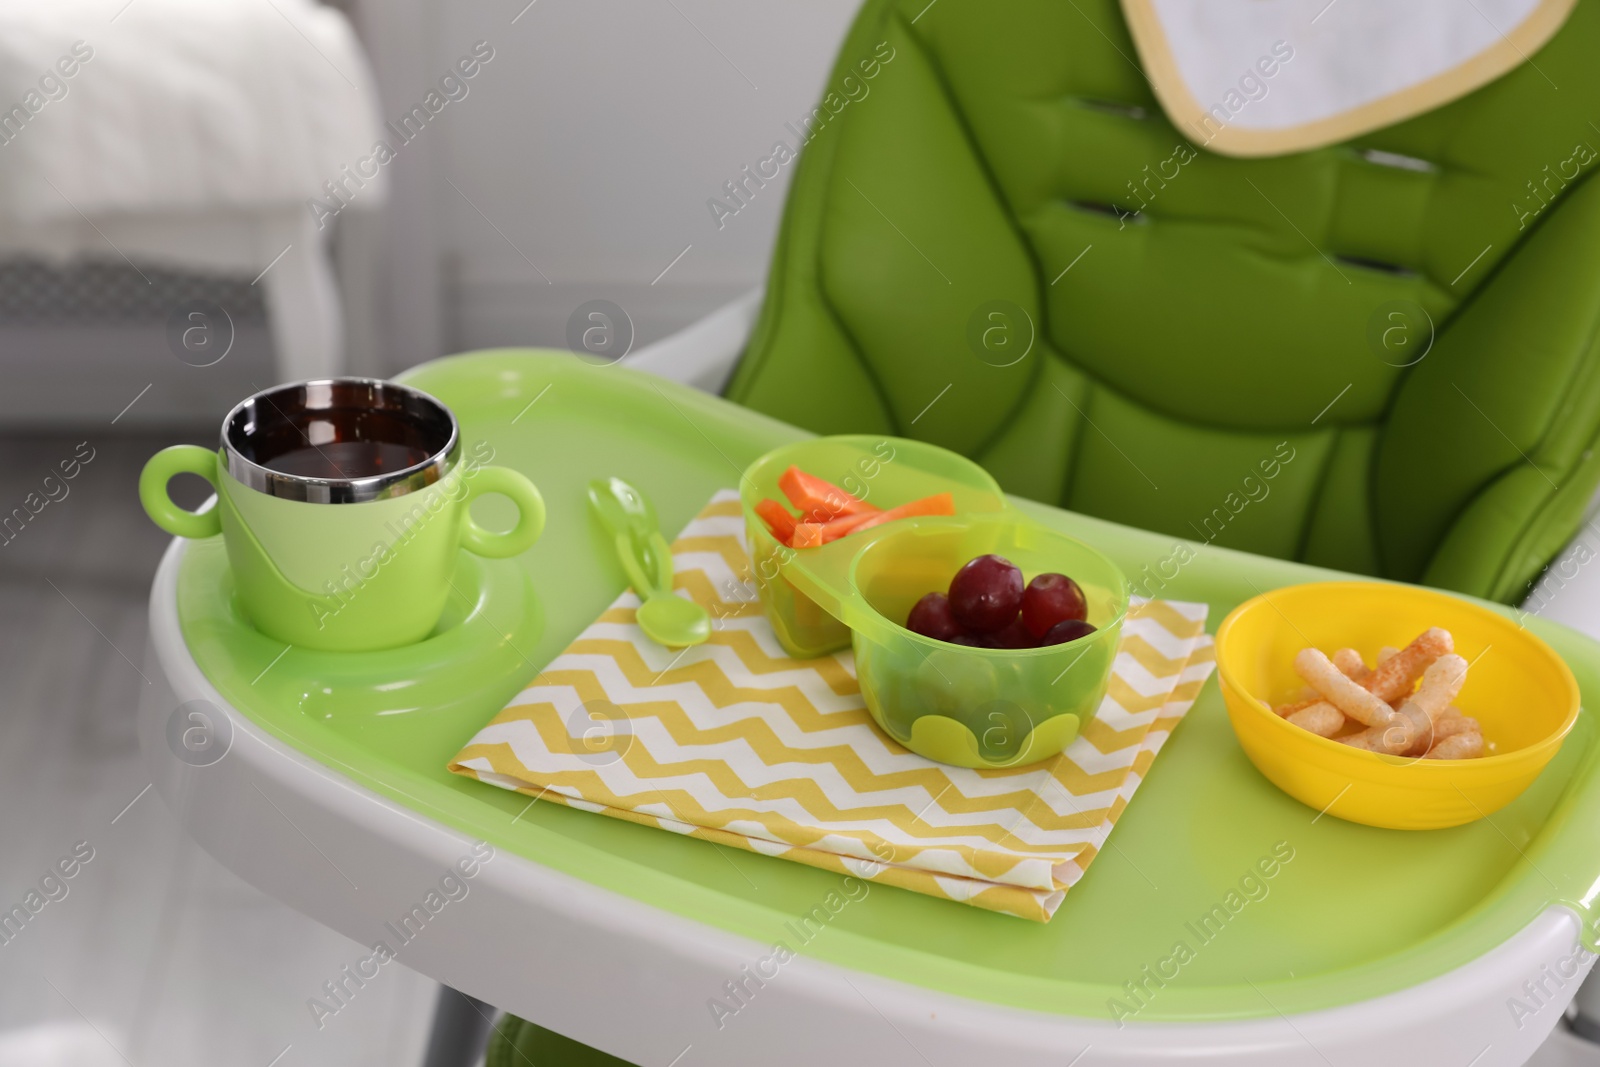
(971, 707)
(874, 467)
(978, 707)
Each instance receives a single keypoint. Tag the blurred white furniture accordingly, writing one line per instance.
(302, 301)
(194, 134)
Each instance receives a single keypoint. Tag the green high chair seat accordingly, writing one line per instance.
(1218, 345)
(1379, 357)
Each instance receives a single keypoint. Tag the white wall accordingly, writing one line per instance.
(591, 143)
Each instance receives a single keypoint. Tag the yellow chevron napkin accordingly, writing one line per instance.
(736, 743)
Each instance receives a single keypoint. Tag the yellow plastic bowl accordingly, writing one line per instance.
(1518, 688)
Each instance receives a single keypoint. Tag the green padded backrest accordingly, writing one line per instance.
(1215, 366)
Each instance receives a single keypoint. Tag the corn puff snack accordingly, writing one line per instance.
(1413, 722)
(1349, 697)
(1461, 746)
(1384, 708)
(1351, 665)
(1448, 724)
(1441, 682)
(1320, 717)
(1286, 710)
(1396, 675)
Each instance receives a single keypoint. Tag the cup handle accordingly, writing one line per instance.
(530, 520)
(179, 459)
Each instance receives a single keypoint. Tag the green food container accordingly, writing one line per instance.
(972, 707)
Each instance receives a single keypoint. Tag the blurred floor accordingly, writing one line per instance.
(155, 955)
(1566, 1049)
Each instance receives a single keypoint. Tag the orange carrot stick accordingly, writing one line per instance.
(834, 529)
(817, 499)
(813, 534)
(777, 518)
(937, 504)
(806, 535)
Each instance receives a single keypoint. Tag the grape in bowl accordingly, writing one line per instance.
(994, 698)
(989, 606)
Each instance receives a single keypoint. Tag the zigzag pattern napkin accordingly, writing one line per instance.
(735, 742)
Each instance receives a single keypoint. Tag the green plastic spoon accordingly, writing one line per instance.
(627, 516)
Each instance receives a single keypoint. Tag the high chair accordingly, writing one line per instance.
(1153, 364)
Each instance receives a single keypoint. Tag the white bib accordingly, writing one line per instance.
(1270, 77)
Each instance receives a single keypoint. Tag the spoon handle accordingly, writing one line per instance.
(638, 575)
(663, 561)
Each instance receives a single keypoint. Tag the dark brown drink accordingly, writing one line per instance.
(343, 430)
(347, 459)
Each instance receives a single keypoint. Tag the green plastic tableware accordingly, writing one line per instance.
(671, 620)
(879, 469)
(1202, 820)
(973, 707)
(665, 617)
(344, 577)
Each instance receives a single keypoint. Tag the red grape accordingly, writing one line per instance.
(931, 617)
(1015, 635)
(1066, 630)
(986, 594)
(1052, 598)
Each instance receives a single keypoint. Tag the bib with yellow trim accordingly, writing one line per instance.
(1270, 77)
